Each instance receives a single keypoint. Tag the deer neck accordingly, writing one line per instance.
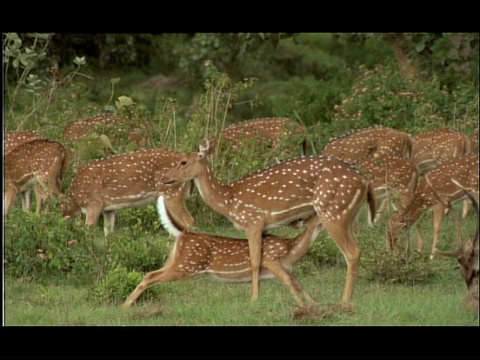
(215, 193)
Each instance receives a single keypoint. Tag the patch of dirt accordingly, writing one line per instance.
(316, 312)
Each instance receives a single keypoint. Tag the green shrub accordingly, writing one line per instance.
(407, 267)
(134, 250)
(118, 284)
(46, 244)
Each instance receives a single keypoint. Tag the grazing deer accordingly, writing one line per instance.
(433, 147)
(129, 180)
(466, 254)
(280, 195)
(448, 180)
(138, 134)
(39, 162)
(13, 139)
(356, 146)
(228, 259)
(269, 130)
(390, 177)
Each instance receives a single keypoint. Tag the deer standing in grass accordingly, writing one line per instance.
(129, 180)
(382, 155)
(227, 259)
(13, 139)
(466, 254)
(269, 130)
(279, 195)
(391, 177)
(448, 180)
(38, 164)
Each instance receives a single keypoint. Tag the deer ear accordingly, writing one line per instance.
(207, 147)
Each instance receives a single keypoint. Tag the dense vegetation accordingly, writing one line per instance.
(189, 86)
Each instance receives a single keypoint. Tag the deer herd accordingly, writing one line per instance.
(381, 167)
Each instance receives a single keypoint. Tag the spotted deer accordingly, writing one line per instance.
(448, 180)
(129, 180)
(392, 178)
(466, 255)
(13, 139)
(41, 163)
(362, 144)
(433, 147)
(110, 124)
(281, 194)
(227, 259)
(268, 130)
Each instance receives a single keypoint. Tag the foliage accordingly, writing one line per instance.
(451, 57)
(118, 284)
(40, 245)
(383, 96)
(406, 267)
(32, 72)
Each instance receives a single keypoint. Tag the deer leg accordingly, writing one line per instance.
(26, 197)
(438, 214)
(165, 274)
(254, 235)
(288, 279)
(108, 222)
(381, 205)
(467, 205)
(93, 213)
(345, 240)
(10, 193)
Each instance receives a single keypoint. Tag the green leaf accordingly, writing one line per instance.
(420, 46)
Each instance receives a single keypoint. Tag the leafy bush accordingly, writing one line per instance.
(406, 267)
(37, 245)
(118, 284)
(383, 96)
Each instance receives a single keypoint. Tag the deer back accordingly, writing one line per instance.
(14, 139)
(362, 144)
(127, 180)
(42, 158)
(119, 127)
(433, 147)
(269, 130)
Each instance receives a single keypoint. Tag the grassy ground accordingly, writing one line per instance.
(201, 301)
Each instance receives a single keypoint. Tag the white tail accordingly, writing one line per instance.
(227, 259)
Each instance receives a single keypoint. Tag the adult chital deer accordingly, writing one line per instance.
(432, 147)
(466, 254)
(228, 259)
(269, 130)
(280, 195)
(129, 180)
(444, 180)
(390, 177)
(110, 124)
(362, 144)
(37, 162)
(13, 139)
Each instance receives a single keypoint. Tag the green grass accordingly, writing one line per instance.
(202, 301)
